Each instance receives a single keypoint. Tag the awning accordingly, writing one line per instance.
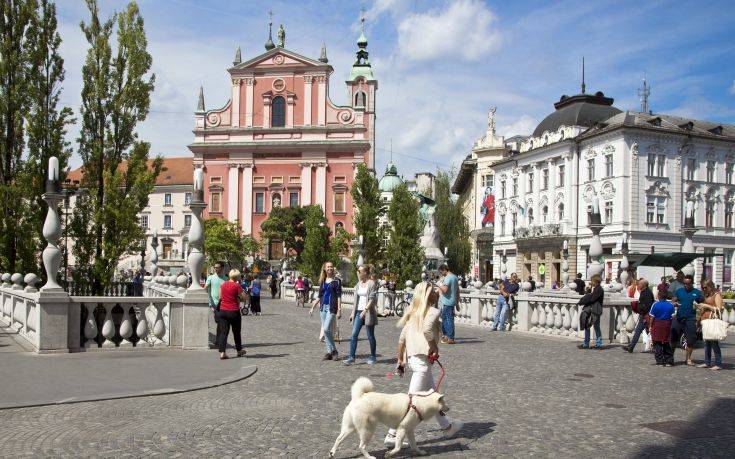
(676, 260)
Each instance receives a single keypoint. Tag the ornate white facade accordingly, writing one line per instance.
(643, 168)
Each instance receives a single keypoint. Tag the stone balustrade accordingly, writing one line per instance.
(49, 321)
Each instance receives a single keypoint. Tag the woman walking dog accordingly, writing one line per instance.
(419, 338)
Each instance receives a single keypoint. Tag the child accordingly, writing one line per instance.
(659, 322)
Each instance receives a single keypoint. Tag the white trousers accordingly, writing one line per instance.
(422, 380)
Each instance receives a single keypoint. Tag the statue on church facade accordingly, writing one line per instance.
(281, 34)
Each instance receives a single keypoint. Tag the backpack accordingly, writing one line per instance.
(255, 290)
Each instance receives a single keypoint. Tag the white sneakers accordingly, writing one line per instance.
(449, 432)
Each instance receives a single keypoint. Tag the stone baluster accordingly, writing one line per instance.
(566, 319)
(181, 282)
(159, 327)
(154, 253)
(535, 315)
(142, 328)
(17, 279)
(108, 327)
(90, 327)
(126, 327)
(6, 280)
(196, 231)
(541, 316)
(558, 320)
(549, 318)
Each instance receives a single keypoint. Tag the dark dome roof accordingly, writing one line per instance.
(579, 110)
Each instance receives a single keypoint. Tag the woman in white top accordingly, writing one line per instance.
(420, 333)
(364, 313)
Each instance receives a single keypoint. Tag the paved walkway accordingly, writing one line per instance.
(520, 395)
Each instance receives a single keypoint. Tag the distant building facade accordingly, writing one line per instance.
(643, 168)
(280, 141)
(166, 213)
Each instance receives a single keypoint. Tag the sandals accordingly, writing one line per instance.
(223, 357)
(241, 353)
(702, 365)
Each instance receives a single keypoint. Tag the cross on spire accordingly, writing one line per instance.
(269, 44)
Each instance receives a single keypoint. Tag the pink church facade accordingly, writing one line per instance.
(281, 141)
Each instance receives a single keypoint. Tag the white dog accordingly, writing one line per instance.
(402, 412)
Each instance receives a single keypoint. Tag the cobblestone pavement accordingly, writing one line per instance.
(519, 395)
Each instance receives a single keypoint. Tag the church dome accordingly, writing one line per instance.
(390, 179)
(579, 110)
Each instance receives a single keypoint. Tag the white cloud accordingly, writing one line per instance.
(464, 30)
(522, 126)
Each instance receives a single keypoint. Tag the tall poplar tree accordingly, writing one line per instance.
(47, 121)
(368, 210)
(454, 231)
(115, 97)
(15, 99)
(404, 253)
(316, 245)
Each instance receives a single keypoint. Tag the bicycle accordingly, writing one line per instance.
(301, 298)
(401, 306)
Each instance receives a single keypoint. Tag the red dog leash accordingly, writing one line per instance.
(435, 358)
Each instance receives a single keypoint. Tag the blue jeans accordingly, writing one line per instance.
(356, 327)
(642, 322)
(448, 321)
(598, 334)
(710, 346)
(327, 318)
(501, 310)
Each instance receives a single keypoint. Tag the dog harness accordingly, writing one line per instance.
(411, 405)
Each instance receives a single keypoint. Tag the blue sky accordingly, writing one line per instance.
(440, 64)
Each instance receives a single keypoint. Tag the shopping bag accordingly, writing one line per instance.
(714, 328)
(646, 341)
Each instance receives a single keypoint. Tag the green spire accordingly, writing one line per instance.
(361, 67)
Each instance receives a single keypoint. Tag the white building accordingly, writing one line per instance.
(167, 213)
(642, 166)
(475, 187)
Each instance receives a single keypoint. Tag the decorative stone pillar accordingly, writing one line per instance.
(688, 229)
(249, 93)
(196, 231)
(154, 253)
(233, 182)
(307, 99)
(52, 227)
(235, 106)
(321, 81)
(321, 186)
(624, 265)
(595, 250)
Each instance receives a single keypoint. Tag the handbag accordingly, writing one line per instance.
(714, 328)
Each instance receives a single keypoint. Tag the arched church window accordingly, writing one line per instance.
(561, 212)
(278, 108)
(360, 99)
(544, 214)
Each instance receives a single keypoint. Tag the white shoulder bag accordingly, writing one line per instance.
(714, 328)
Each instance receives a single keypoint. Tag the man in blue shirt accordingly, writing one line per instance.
(449, 286)
(508, 289)
(685, 322)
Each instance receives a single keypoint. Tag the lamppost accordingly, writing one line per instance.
(595, 250)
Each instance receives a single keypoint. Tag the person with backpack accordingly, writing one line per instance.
(255, 290)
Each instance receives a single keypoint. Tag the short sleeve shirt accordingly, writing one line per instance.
(214, 282)
(686, 303)
(230, 296)
(662, 310)
(449, 298)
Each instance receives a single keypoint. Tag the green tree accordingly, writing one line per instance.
(286, 224)
(47, 122)
(225, 242)
(117, 172)
(16, 19)
(316, 244)
(404, 253)
(454, 231)
(368, 210)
